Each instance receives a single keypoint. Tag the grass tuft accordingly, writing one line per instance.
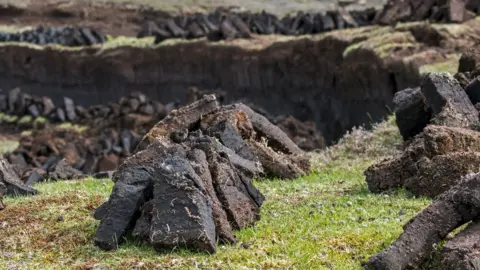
(360, 147)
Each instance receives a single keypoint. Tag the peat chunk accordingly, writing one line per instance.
(394, 11)
(60, 115)
(278, 154)
(121, 210)
(117, 220)
(143, 224)
(448, 100)
(11, 181)
(70, 109)
(473, 90)
(183, 118)
(441, 140)
(277, 139)
(181, 212)
(33, 110)
(469, 60)
(151, 157)
(108, 163)
(252, 168)
(228, 31)
(200, 164)
(48, 105)
(103, 174)
(241, 26)
(463, 251)
(63, 171)
(424, 148)
(457, 12)
(33, 176)
(277, 165)
(14, 97)
(19, 161)
(241, 209)
(101, 211)
(412, 114)
(388, 174)
(440, 173)
(304, 134)
(230, 138)
(3, 103)
(447, 212)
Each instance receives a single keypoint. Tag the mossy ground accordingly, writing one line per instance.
(327, 220)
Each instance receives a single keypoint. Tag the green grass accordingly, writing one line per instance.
(327, 220)
(450, 66)
(7, 145)
(27, 124)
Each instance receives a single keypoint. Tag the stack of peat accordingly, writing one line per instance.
(437, 120)
(132, 111)
(229, 25)
(456, 11)
(224, 24)
(64, 154)
(189, 183)
(441, 160)
(304, 133)
(112, 133)
(66, 36)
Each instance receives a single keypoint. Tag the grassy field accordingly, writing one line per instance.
(327, 220)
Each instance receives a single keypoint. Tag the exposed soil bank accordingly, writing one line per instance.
(338, 80)
(310, 79)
